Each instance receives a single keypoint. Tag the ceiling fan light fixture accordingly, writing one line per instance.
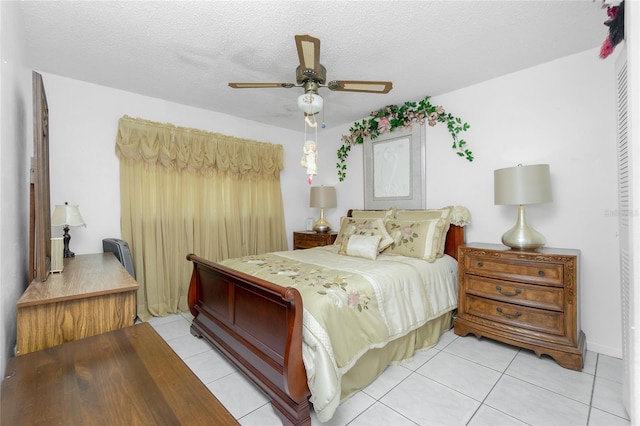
(310, 103)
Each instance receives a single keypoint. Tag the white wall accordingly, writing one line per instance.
(85, 170)
(16, 146)
(561, 113)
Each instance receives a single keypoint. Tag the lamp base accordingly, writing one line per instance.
(322, 226)
(66, 237)
(521, 236)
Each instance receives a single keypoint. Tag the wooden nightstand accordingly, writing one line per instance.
(524, 298)
(309, 239)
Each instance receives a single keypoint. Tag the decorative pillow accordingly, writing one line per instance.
(374, 214)
(443, 213)
(429, 214)
(353, 226)
(413, 238)
(361, 246)
(460, 216)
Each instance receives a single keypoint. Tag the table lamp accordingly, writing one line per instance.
(522, 185)
(67, 216)
(322, 197)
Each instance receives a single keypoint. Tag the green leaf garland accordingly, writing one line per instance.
(392, 117)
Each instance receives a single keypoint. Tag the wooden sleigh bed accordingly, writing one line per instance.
(258, 326)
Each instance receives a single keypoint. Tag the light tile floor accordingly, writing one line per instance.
(461, 381)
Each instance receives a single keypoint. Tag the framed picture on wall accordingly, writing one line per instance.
(394, 170)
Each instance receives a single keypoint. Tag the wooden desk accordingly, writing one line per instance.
(94, 294)
(126, 377)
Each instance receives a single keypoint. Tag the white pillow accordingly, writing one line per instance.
(365, 246)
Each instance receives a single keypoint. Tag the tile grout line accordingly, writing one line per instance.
(443, 348)
(593, 387)
(502, 373)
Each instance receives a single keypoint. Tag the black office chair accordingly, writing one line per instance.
(121, 250)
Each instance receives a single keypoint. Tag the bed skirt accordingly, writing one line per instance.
(399, 351)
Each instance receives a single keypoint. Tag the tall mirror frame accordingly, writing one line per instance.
(40, 200)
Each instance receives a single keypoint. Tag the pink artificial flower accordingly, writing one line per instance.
(606, 49)
(384, 125)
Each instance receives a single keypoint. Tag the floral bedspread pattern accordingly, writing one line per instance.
(379, 300)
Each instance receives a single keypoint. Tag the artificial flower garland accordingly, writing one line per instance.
(392, 117)
(616, 28)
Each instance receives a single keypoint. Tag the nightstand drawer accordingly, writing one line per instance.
(305, 240)
(536, 296)
(538, 320)
(305, 243)
(533, 272)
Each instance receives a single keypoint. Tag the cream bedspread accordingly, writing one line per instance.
(353, 304)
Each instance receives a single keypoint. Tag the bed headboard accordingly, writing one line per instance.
(455, 238)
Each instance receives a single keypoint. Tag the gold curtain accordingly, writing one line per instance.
(190, 191)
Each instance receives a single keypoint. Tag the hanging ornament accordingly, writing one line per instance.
(311, 104)
(309, 158)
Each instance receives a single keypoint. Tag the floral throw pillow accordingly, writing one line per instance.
(413, 238)
(443, 213)
(353, 226)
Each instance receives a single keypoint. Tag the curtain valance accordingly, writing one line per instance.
(197, 151)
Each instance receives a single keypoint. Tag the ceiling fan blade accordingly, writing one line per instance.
(360, 86)
(308, 52)
(259, 85)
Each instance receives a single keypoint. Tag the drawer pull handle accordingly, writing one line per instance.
(518, 314)
(504, 293)
(480, 265)
(541, 273)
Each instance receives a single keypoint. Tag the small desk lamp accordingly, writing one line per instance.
(322, 197)
(519, 186)
(67, 216)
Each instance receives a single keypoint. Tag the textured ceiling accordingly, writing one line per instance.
(187, 52)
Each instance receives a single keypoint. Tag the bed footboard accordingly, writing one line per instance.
(257, 325)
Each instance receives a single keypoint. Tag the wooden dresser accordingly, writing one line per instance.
(129, 376)
(523, 298)
(310, 239)
(94, 294)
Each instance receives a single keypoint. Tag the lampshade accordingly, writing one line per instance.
(522, 185)
(322, 197)
(67, 215)
(310, 103)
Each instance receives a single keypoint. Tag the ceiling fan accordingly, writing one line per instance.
(311, 75)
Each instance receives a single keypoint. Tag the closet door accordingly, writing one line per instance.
(627, 208)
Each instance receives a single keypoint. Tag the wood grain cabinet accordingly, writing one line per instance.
(310, 239)
(524, 298)
(93, 295)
